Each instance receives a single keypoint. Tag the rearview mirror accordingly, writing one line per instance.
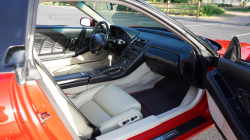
(85, 21)
(110, 6)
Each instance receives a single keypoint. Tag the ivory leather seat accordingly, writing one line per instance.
(71, 69)
(103, 106)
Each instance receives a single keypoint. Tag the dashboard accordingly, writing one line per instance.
(162, 51)
(120, 37)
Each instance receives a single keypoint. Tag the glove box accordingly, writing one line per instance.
(163, 62)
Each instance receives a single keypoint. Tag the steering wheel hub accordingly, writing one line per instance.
(98, 41)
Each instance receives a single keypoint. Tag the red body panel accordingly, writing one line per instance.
(9, 127)
(245, 48)
(19, 108)
(22, 122)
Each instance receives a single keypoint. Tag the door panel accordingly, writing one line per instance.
(63, 41)
(226, 98)
(228, 85)
(55, 39)
(57, 46)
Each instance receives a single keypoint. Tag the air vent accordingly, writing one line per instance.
(223, 86)
(188, 71)
(141, 40)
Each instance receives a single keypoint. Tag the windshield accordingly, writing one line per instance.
(121, 15)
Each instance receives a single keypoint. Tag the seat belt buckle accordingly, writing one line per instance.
(96, 132)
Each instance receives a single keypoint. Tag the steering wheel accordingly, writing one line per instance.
(98, 40)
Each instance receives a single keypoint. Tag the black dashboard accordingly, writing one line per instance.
(120, 37)
(162, 51)
(121, 34)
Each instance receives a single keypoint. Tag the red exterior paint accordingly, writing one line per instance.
(201, 109)
(53, 127)
(248, 58)
(18, 115)
(245, 48)
(9, 127)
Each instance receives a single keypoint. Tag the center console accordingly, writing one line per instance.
(129, 55)
(131, 52)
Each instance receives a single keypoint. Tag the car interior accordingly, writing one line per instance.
(122, 80)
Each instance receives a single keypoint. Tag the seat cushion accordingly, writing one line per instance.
(105, 106)
(114, 100)
(94, 113)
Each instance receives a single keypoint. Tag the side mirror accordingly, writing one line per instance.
(85, 21)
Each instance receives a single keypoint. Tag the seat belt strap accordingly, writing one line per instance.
(96, 130)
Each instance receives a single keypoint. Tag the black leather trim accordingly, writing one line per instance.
(236, 75)
(233, 52)
(72, 80)
(73, 84)
(130, 31)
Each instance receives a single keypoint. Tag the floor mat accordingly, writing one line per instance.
(166, 95)
(145, 113)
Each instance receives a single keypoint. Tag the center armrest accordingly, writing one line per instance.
(72, 80)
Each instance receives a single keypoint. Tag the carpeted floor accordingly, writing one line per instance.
(166, 95)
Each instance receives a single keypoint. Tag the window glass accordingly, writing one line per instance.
(58, 13)
(121, 15)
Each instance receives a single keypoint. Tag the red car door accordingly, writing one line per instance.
(228, 93)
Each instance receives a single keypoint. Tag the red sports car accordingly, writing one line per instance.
(129, 72)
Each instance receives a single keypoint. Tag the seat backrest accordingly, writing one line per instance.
(75, 119)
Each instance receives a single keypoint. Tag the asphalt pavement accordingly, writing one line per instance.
(238, 25)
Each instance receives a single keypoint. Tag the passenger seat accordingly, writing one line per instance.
(103, 106)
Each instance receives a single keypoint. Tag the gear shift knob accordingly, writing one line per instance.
(110, 60)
